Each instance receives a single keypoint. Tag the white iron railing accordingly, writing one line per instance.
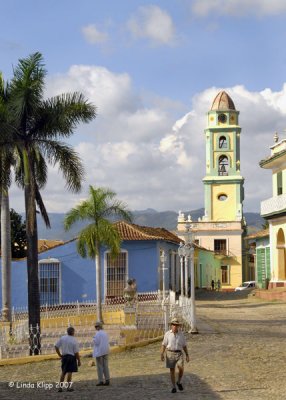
(150, 322)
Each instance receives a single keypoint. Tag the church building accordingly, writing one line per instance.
(274, 211)
(222, 226)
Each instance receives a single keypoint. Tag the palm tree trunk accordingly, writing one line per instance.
(32, 271)
(98, 285)
(6, 256)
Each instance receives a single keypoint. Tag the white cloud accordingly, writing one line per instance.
(153, 23)
(152, 157)
(277, 100)
(111, 92)
(239, 7)
(93, 35)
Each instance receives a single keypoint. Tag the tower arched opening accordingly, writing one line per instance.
(223, 165)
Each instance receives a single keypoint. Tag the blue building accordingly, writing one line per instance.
(64, 276)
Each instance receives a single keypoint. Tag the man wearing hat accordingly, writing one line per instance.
(100, 352)
(174, 343)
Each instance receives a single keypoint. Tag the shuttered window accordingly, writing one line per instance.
(263, 266)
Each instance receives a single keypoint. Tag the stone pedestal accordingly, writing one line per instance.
(130, 315)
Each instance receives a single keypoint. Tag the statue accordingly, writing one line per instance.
(129, 292)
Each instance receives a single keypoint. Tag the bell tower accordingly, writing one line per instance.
(221, 228)
(223, 184)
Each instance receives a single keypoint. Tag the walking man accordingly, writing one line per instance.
(67, 349)
(100, 352)
(174, 343)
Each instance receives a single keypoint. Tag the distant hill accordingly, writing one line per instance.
(148, 217)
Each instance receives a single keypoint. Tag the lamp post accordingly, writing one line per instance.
(194, 328)
(163, 259)
(182, 253)
(188, 256)
(187, 251)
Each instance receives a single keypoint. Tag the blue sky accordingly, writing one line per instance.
(153, 69)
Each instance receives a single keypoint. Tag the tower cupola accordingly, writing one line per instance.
(222, 102)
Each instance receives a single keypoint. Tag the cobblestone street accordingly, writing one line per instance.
(239, 354)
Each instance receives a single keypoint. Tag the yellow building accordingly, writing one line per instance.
(274, 211)
(222, 226)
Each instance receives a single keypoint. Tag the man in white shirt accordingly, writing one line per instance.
(70, 358)
(100, 352)
(174, 343)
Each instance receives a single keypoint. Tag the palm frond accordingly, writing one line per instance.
(109, 236)
(119, 209)
(69, 162)
(6, 162)
(27, 87)
(42, 207)
(81, 247)
(41, 169)
(101, 231)
(73, 216)
(59, 116)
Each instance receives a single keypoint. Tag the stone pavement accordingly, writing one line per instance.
(239, 354)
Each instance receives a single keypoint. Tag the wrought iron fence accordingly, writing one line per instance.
(150, 315)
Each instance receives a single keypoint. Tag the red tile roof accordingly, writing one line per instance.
(129, 231)
(259, 234)
(47, 244)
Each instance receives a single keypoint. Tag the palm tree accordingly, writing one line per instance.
(265, 225)
(6, 161)
(98, 209)
(6, 256)
(34, 131)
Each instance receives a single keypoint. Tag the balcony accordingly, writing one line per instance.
(223, 254)
(274, 205)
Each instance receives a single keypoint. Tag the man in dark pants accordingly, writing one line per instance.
(70, 357)
(174, 343)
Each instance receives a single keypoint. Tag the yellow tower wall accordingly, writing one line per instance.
(224, 210)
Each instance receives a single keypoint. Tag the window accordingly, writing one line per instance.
(44, 287)
(53, 285)
(116, 274)
(50, 281)
(222, 118)
(220, 246)
(222, 143)
(279, 184)
(225, 275)
(223, 165)
(222, 197)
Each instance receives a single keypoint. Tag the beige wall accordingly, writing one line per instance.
(234, 247)
(278, 258)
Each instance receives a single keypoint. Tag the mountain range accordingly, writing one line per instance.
(148, 217)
